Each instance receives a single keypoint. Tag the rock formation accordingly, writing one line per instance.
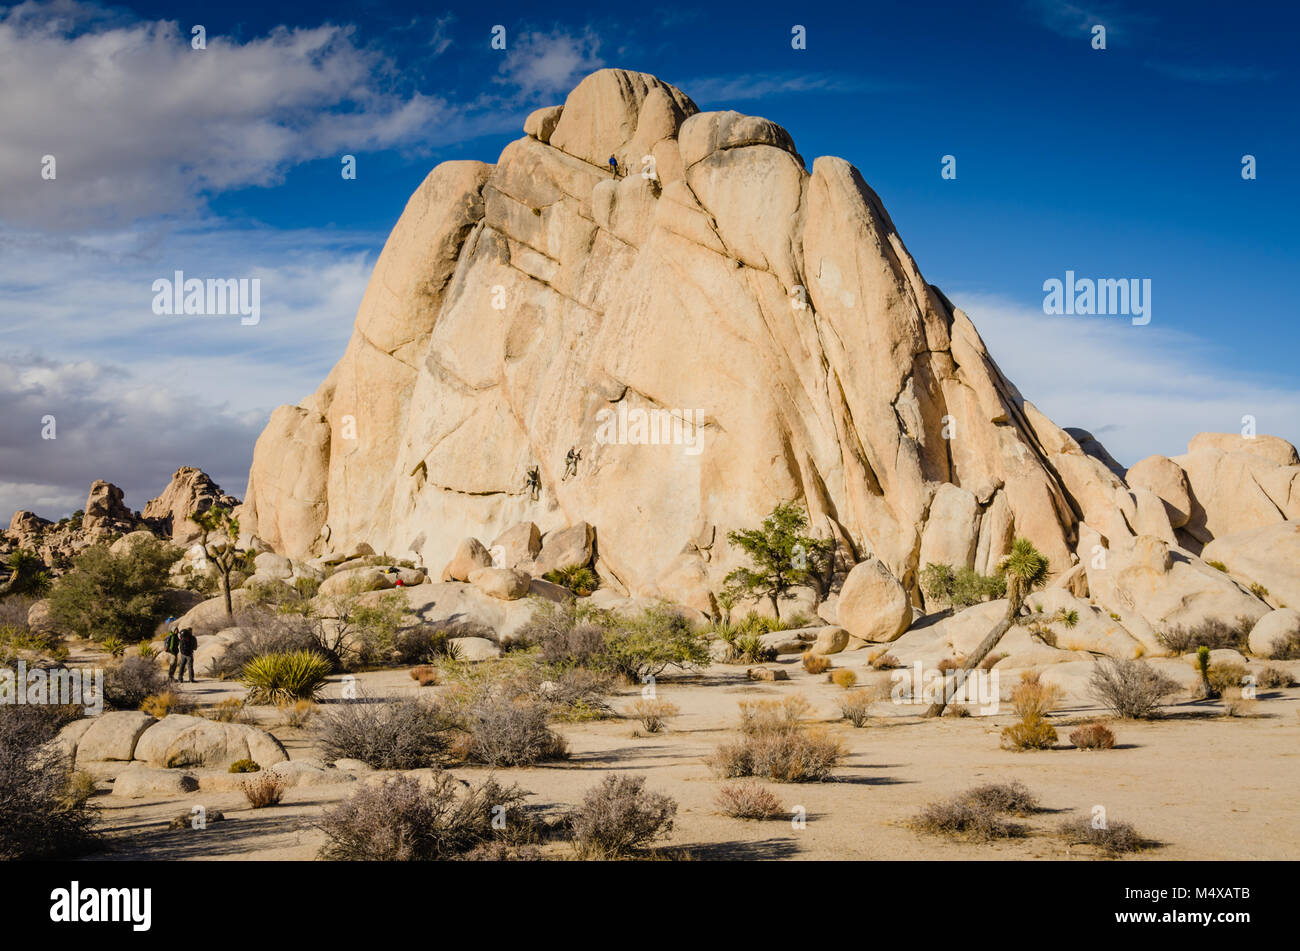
(107, 515)
(716, 329)
(190, 492)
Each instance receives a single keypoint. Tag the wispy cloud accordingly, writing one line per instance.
(1147, 389)
(1214, 75)
(749, 86)
(1066, 18)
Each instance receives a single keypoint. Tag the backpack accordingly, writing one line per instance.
(172, 644)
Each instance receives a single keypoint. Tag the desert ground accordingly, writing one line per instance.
(1198, 783)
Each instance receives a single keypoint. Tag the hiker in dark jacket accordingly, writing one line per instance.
(188, 645)
(172, 647)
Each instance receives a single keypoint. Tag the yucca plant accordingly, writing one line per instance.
(284, 678)
(114, 645)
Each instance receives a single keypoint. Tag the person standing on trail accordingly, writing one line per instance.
(172, 647)
(188, 645)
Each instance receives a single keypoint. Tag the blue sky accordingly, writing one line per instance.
(1114, 163)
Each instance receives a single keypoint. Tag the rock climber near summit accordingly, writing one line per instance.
(533, 483)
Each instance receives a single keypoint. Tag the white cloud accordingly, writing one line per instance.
(549, 64)
(141, 124)
(136, 395)
(1139, 389)
(133, 429)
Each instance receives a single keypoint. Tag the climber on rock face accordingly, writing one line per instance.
(571, 462)
(533, 483)
(613, 166)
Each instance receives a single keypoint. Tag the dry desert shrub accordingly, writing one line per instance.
(297, 714)
(1115, 838)
(1033, 698)
(962, 819)
(264, 789)
(774, 744)
(229, 710)
(1271, 677)
(1130, 689)
(855, 707)
(991, 661)
(166, 703)
(402, 821)
(1235, 704)
(653, 714)
(1011, 797)
(1224, 676)
(44, 807)
(426, 675)
(886, 661)
(1093, 736)
(1213, 633)
(815, 663)
(130, 681)
(510, 731)
(843, 677)
(748, 801)
(619, 817)
(398, 734)
(1034, 733)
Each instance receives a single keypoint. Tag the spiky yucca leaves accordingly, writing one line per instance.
(281, 678)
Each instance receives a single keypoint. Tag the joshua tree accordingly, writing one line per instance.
(782, 555)
(220, 532)
(1025, 569)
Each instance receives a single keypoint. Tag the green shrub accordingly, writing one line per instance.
(959, 588)
(276, 678)
(113, 645)
(646, 644)
(579, 579)
(123, 595)
(27, 575)
(244, 766)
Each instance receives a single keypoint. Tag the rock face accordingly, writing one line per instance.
(190, 492)
(678, 348)
(105, 511)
